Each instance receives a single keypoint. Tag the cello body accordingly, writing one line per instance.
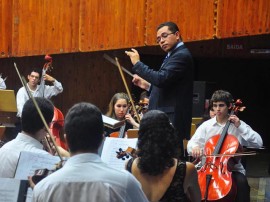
(221, 186)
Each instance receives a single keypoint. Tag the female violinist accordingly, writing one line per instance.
(222, 101)
(118, 109)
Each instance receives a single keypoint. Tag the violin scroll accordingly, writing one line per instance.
(125, 154)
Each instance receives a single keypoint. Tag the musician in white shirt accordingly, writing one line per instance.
(33, 131)
(37, 90)
(2, 83)
(84, 177)
(222, 102)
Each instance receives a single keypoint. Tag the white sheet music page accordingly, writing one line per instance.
(111, 146)
(9, 189)
(29, 162)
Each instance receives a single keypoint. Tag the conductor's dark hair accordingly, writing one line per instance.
(171, 26)
(31, 120)
(84, 127)
(221, 96)
(157, 143)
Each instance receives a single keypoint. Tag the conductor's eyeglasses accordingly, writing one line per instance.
(163, 36)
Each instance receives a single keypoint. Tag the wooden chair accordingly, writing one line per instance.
(132, 133)
(2, 131)
(185, 141)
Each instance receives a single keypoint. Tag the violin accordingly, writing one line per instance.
(214, 176)
(141, 108)
(57, 123)
(42, 173)
(126, 154)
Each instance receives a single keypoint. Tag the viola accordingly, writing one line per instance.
(214, 176)
(57, 123)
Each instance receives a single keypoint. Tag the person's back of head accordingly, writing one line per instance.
(157, 143)
(221, 96)
(84, 128)
(31, 120)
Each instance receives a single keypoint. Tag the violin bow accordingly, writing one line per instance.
(24, 83)
(127, 89)
(113, 62)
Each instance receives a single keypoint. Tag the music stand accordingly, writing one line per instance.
(7, 108)
(7, 101)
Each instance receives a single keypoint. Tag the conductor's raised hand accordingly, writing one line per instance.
(138, 81)
(133, 55)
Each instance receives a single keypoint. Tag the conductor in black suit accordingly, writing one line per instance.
(171, 87)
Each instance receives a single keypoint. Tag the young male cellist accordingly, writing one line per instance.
(222, 101)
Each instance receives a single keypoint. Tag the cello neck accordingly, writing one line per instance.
(223, 135)
(122, 131)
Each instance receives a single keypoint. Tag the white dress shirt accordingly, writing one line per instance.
(49, 91)
(2, 84)
(85, 177)
(10, 152)
(244, 133)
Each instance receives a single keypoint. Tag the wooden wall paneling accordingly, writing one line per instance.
(5, 28)
(195, 18)
(243, 18)
(42, 27)
(86, 77)
(107, 24)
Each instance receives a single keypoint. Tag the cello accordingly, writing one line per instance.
(214, 177)
(58, 118)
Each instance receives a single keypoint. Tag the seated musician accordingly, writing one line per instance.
(37, 90)
(33, 132)
(118, 109)
(84, 177)
(222, 101)
(144, 102)
(163, 176)
(2, 83)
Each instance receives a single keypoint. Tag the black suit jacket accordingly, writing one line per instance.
(172, 88)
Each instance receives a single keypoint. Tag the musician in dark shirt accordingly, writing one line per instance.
(163, 176)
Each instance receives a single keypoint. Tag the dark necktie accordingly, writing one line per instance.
(165, 60)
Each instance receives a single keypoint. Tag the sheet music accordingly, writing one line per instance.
(111, 146)
(10, 190)
(29, 162)
(112, 123)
